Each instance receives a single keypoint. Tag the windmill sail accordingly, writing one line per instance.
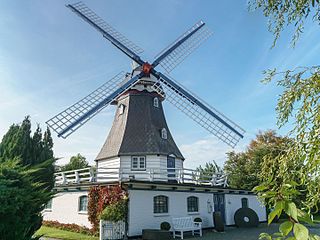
(79, 113)
(202, 113)
(116, 38)
(176, 52)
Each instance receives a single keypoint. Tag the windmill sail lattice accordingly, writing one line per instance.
(116, 38)
(69, 120)
(201, 112)
(177, 51)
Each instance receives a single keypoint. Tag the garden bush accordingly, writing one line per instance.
(165, 226)
(116, 211)
(197, 219)
(69, 227)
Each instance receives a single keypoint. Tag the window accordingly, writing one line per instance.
(244, 202)
(164, 133)
(138, 163)
(160, 204)
(48, 205)
(156, 102)
(83, 203)
(193, 204)
(121, 109)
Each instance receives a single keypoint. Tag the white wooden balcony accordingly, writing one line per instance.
(177, 175)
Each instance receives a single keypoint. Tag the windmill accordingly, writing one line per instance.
(145, 78)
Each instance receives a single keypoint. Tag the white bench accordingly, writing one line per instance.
(185, 224)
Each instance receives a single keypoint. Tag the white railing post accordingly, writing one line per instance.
(91, 172)
(151, 174)
(182, 175)
(101, 235)
(64, 179)
(120, 175)
(77, 178)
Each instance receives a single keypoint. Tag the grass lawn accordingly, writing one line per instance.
(62, 234)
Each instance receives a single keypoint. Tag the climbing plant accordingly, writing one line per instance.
(101, 197)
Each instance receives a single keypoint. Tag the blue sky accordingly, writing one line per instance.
(50, 58)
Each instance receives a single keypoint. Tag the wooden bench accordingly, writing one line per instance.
(185, 224)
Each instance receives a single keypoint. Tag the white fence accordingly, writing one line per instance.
(178, 175)
(111, 230)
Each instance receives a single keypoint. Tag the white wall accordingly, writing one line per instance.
(233, 203)
(108, 169)
(65, 209)
(141, 214)
(153, 163)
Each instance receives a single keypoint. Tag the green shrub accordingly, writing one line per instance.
(22, 199)
(69, 227)
(116, 211)
(197, 219)
(165, 226)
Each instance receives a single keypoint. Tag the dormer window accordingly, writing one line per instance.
(156, 102)
(121, 109)
(164, 134)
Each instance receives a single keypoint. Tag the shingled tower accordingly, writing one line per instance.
(139, 137)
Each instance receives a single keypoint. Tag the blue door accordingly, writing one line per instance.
(171, 163)
(219, 205)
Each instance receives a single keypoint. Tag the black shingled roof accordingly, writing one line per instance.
(138, 130)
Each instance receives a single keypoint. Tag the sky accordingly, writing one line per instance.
(50, 58)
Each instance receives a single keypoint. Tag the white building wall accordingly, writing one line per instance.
(141, 214)
(108, 169)
(65, 207)
(233, 203)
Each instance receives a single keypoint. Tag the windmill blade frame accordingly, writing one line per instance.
(198, 110)
(72, 118)
(182, 47)
(108, 32)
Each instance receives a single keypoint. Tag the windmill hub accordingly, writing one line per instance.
(146, 68)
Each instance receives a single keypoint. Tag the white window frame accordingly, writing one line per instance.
(79, 204)
(164, 133)
(121, 109)
(158, 208)
(140, 164)
(196, 202)
(156, 102)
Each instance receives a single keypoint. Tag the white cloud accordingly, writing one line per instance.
(206, 150)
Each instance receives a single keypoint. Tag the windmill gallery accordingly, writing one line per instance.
(140, 154)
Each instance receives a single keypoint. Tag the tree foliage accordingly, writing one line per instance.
(299, 108)
(298, 169)
(244, 169)
(208, 169)
(22, 199)
(32, 149)
(26, 179)
(76, 162)
(282, 13)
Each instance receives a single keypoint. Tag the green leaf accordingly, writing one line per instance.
(259, 188)
(304, 217)
(276, 212)
(291, 210)
(314, 237)
(286, 227)
(300, 232)
(265, 236)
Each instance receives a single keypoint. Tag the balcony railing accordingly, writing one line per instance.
(177, 175)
